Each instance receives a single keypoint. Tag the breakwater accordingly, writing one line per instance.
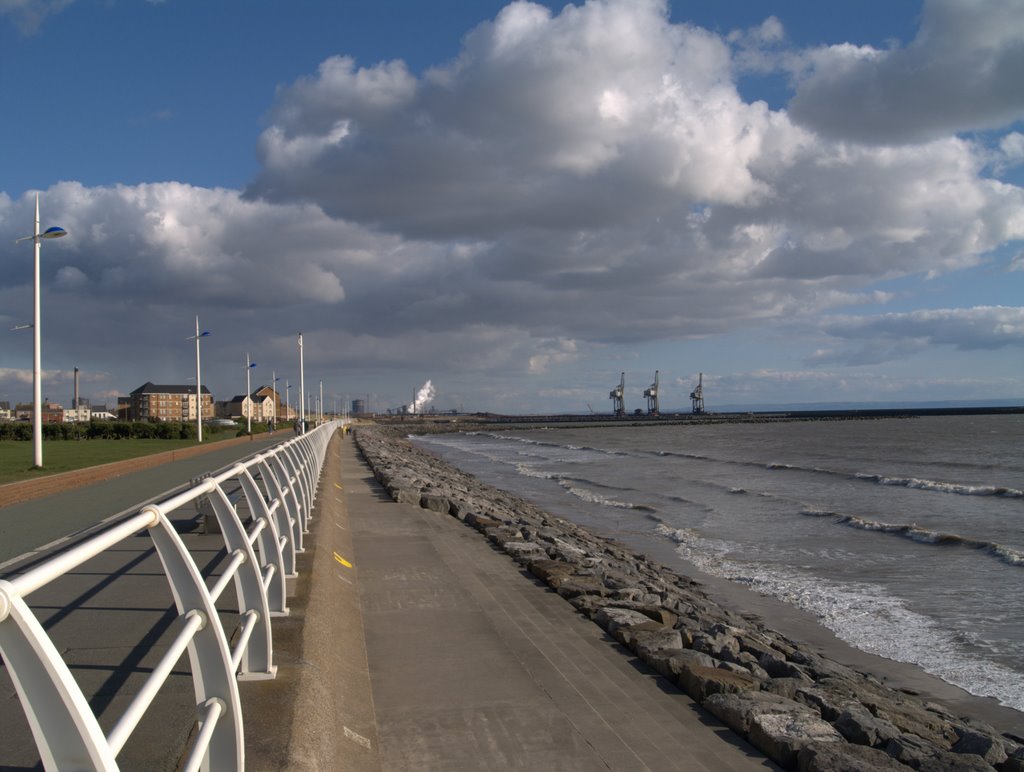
(802, 709)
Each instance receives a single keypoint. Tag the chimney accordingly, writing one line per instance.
(74, 400)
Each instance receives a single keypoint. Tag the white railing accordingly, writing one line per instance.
(278, 487)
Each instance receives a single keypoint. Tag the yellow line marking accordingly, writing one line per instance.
(342, 560)
(338, 487)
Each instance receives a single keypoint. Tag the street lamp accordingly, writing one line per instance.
(199, 386)
(248, 392)
(273, 385)
(37, 384)
(287, 400)
(302, 387)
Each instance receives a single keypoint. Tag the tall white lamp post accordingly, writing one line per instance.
(199, 383)
(302, 387)
(321, 403)
(273, 384)
(37, 381)
(248, 393)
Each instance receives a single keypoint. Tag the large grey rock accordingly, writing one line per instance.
(645, 642)
(985, 745)
(551, 572)
(1015, 762)
(782, 735)
(702, 682)
(435, 503)
(833, 756)
(919, 754)
(524, 551)
(671, 664)
(857, 725)
(611, 618)
(738, 710)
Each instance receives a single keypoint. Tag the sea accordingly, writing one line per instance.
(904, 536)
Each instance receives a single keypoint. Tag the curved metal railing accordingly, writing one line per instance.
(278, 486)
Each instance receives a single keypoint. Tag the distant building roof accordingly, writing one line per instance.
(150, 388)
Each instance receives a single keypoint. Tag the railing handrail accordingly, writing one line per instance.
(279, 498)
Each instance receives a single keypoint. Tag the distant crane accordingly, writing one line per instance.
(590, 409)
(697, 396)
(617, 396)
(652, 397)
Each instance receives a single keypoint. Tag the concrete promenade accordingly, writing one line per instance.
(422, 648)
(410, 644)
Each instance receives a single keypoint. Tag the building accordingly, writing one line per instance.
(80, 414)
(358, 407)
(52, 413)
(151, 402)
(262, 405)
(275, 408)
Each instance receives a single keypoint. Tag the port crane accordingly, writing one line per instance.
(617, 396)
(697, 396)
(652, 397)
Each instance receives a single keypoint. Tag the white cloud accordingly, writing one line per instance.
(893, 336)
(569, 180)
(960, 73)
(28, 15)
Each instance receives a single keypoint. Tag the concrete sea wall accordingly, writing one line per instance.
(801, 709)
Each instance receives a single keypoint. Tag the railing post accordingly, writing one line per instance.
(288, 513)
(212, 673)
(63, 725)
(258, 660)
(269, 539)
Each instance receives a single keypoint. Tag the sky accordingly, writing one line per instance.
(806, 202)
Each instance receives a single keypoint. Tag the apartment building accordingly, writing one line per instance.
(151, 402)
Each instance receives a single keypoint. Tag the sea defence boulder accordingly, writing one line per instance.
(803, 710)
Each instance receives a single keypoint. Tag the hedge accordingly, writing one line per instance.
(105, 430)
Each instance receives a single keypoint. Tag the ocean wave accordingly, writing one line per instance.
(595, 498)
(916, 533)
(862, 614)
(942, 487)
(916, 483)
(527, 470)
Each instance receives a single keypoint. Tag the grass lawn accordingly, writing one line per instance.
(65, 455)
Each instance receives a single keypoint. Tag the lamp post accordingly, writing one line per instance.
(273, 385)
(287, 400)
(37, 385)
(321, 403)
(199, 383)
(248, 393)
(302, 388)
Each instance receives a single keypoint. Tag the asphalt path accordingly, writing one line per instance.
(32, 525)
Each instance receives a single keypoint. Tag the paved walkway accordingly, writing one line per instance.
(411, 644)
(470, 664)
